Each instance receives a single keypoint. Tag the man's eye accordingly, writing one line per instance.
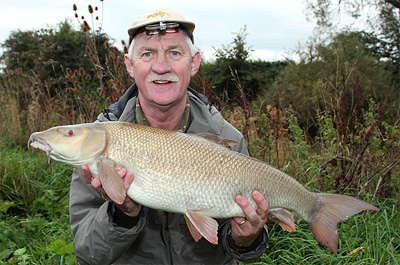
(175, 53)
(147, 54)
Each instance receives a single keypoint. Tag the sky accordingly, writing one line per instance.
(274, 27)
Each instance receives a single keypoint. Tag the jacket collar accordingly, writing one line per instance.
(204, 118)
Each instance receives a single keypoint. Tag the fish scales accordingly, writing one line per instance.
(194, 173)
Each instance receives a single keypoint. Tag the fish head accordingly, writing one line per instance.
(75, 145)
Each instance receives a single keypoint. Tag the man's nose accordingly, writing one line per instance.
(161, 64)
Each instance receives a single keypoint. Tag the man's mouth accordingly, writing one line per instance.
(162, 82)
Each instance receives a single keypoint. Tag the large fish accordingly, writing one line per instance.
(192, 175)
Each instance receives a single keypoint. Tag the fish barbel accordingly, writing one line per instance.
(191, 175)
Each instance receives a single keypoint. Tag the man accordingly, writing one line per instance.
(161, 59)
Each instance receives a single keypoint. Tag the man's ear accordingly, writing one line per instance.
(196, 60)
(129, 66)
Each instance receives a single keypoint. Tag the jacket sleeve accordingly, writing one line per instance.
(245, 254)
(97, 239)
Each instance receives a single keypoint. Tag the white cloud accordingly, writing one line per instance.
(273, 26)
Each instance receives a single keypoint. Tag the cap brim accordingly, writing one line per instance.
(187, 24)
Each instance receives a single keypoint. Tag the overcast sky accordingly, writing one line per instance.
(275, 27)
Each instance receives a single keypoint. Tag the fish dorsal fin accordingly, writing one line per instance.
(218, 140)
(283, 217)
(200, 225)
(112, 183)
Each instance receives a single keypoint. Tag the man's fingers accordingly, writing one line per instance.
(127, 177)
(96, 184)
(128, 180)
(239, 220)
(262, 204)
(122, 172)
(248, 210)
(86, 175)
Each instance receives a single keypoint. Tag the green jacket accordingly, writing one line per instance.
(104, 235)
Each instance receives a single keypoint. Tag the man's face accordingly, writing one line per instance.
(162, 67)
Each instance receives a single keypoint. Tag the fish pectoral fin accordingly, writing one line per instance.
(200, 225)
(112, 183)
(283, 217)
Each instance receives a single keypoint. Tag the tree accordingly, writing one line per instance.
(333, 71)
(383, 17)
(63, 74)
(233, 65)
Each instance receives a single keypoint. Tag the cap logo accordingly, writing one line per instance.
(158, 14)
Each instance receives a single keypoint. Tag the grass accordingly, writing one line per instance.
(33, 210)
(367, 238)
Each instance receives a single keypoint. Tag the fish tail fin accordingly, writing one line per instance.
(335, 209)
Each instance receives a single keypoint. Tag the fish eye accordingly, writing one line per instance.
(70, 133)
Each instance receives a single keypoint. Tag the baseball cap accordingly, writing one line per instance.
(160, 15)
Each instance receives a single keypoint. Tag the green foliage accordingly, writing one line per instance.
(48, 52)
(65, 75)
(255, 76)
(381, 15)
(368, 238)
(340, 70)
(261, 147)
(33, 210)
(238, 51)
(358, 236)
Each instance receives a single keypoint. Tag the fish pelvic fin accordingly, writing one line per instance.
(335, 209)
(283, 217)
(202, 226)
(192, 229)
(112, 183)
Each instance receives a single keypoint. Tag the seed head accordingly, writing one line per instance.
(111, 56)
(107, 45)
(81, 71)
(85, 25)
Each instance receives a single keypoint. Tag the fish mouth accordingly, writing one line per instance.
(40, 144)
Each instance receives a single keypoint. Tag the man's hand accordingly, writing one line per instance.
(129, 207)
(245, 230)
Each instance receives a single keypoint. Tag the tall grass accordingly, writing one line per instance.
(368, 238)
(33, 209)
